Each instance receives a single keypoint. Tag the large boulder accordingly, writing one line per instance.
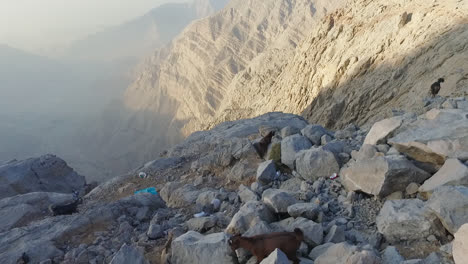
(452, 173)
(290, 146)
(129, 254)
(438, 135)
(47, 173)
(314, 133)
(346, 253)
(243, 171)
(276, 257)
(193, 247)
(178, 196)
(407, 220)
(22, 209)
(382, 176)
(313, 232)
(315, 163)
(460, 245)
(246, 194)
(450, 204)
(278, 200)
(247, 215)
(382, 130)
(307, 210)
(266, 172)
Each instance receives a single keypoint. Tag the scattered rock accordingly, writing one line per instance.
(313, 232)
(278, 200)
(315, 163)
(381, 176)
(276, 257)
(460, 245)
(406, 220)
(346, 253)
(246, 194)
(336, 234)
(290, 146)
(452, 173)
(243, 171)
(193, 247)
(450, 205)
(289, 131)
(319, 250)
(307, 210)
(202, 224)
(129, 254)
(382, 130)
(391, 256)
(412, 188)
(314, 133)
(266, 172)
(244, 219)
(325, 139)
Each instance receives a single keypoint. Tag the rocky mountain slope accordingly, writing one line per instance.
(361, 62)
(399, 198)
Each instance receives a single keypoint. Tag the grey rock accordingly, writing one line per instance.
(313, 232)
(434, 138)
(289, 131)
(412, 188)
(144, 213)
(346, 253)
(266, 172)
(381, 176)
(460, 245)
(192, 247)
(343, 134)
(276, 257)
(325, 139)
(155, 231)
(259, 228)
(336, 234)
(315, 163)
(180, 196)
(453, 172)
(306, 210)
(244, 170)
(202, 224)
(292, 185)
(314, 133)
(278, 200)
(319, 250)
(246, 194)
(22, 209)
(450, 205)
(406, 220)
(246, 216)
(129, 254)
(382, 130)
(365, 152)
(391, 256)
(290, 146)
(47, 173)
(205, 198)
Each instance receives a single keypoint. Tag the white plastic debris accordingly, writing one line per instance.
(142, 175)
(334, 176)
(201, 214)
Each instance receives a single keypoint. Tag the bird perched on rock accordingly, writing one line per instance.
(262, 146)
(23, 259)
(435, 87)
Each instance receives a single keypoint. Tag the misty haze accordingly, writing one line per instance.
(62, 92)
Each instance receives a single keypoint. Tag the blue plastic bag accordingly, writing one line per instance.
(151, 190)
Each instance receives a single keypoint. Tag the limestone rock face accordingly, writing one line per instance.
(192, 247)
(315, 163)
(460, 245)
(47, 173)
(450, 204)
(292, 145)
(441, 134)
(382, 176)
(452, 173)
(403, 220)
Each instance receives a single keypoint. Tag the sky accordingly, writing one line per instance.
(41, 25)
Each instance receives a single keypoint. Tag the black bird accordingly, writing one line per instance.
(262, 146)
(435, 87)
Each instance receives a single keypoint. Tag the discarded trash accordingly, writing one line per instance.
(201, 214)
(142, 175)
(151, 190)
(278, 174)
(334, 176)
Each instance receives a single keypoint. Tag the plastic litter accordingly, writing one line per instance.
(201, 214)
(142, 175)
(334, 176)
(151, 190)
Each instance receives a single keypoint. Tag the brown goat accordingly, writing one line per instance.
(261, 246)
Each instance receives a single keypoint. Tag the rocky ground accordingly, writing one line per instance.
(400, 195)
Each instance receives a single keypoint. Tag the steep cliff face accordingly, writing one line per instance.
(197, 68)
(362, 61)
